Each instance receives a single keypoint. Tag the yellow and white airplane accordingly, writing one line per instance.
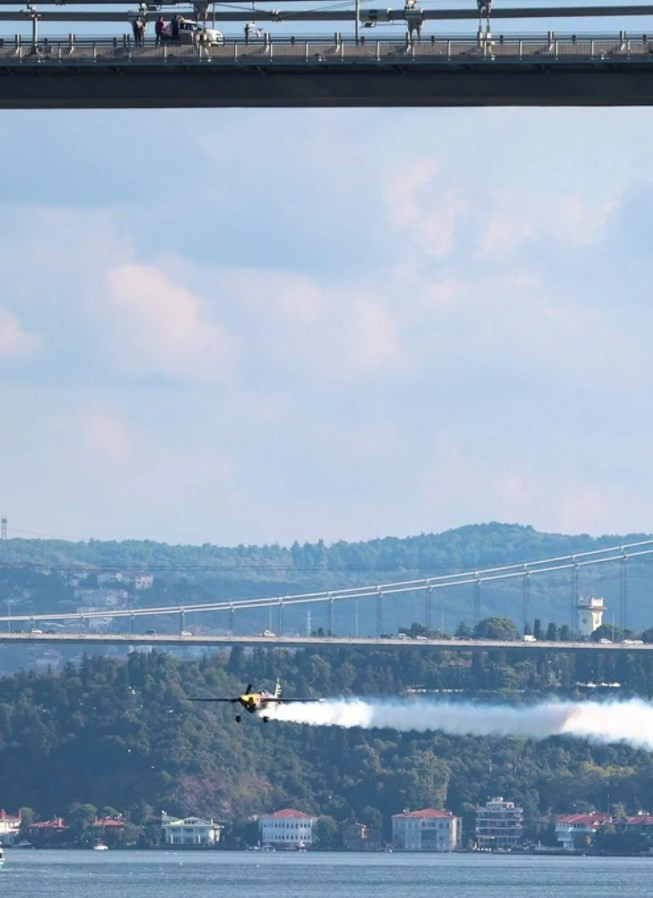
(257, 702)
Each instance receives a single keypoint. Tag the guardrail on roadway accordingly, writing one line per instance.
(531, 49)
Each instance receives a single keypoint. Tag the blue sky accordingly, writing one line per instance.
(255, 326)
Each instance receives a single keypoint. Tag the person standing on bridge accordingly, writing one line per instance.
(159, 25)
(139, 31)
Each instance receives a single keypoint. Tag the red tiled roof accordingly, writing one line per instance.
(49, 824)
(288, 813)
(587, 819)
(109, 821)
(638, 820)
(427, 813)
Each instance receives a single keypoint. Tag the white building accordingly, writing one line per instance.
(426, 830)
(190, 831)
(9, 828)
(590, 614)
(570, 828)
(287, 829)
(499, 824)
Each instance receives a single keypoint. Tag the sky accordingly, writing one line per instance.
(256, 326)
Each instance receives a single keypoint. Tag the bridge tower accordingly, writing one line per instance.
(575, 596)
(526, 599)
(3, 527)
(623, 592)
(428, 607)
(477, 600)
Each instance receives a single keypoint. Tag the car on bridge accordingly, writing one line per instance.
(192, 32)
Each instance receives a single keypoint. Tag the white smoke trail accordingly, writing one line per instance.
(630, 721)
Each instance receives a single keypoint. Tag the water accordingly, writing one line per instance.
(139, 874)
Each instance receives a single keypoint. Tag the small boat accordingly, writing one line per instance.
(100, 846)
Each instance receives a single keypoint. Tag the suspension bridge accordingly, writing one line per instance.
(105, 61)
(341, 609)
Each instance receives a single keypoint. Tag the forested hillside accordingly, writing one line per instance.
(125, 736)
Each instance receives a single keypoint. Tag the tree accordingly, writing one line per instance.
(27, 817)
(80, 818)
(552, 633)
(608, 631)
(501, 628)
(537, 628)
(327, 833)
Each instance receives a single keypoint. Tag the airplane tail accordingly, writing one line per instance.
(277, 690)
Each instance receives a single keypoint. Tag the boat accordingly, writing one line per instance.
(100, 846)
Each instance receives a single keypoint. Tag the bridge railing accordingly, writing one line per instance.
(71, 50)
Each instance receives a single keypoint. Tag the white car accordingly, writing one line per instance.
(268, 633)
(192, 32)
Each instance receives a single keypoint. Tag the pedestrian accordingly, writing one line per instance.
(247, 30)
(139, 31)
(174, 34)
(159, 25)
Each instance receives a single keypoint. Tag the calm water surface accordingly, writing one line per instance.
(135, 874)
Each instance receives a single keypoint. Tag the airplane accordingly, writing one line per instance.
(257, 702)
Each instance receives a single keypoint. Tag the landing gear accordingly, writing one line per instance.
(238, 718)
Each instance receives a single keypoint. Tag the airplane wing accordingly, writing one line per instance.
(212, 699)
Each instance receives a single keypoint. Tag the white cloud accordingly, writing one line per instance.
(424, 207)
(15, 342)
(105, 437)
(529, 216)
(159, 326)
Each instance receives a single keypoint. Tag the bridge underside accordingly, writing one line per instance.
(48, 86)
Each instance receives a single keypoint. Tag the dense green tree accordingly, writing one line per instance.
(496, 628)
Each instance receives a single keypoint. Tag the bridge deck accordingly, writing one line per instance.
(437, 72)
(162, 639)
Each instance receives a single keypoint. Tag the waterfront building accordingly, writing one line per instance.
(47, 832)
(499, 824)
(426, 830)
(590, 614)
(571, 830)
(191, 832)
(287, 828)
(9, 828)
(108, 829)
(359, 837)
(641, 824)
